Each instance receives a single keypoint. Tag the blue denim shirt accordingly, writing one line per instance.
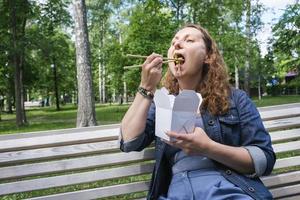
(240, 126)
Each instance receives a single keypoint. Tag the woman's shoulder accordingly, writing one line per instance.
(238, 95)
(240, 99)
(237, 92)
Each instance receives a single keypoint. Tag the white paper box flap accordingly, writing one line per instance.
(161, 99)
(187, 101)
(183, 122)
(180, 117)
(161, 123)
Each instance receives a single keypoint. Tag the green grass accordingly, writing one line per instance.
(41, 119)
(277, 100)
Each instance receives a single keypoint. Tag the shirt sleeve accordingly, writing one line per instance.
(254, 135)
(145, 138)
(259, 160)
(131, 145)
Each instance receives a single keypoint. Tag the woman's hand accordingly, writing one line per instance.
(151, 72)
(196, 143)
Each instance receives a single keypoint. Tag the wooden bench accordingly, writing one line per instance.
(86, 163)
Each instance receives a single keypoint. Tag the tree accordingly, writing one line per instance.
(247, 50)
(178, 5)
(253, 24)
(150, 30)
(53, 14)
(86, 103)
(6, 71)
(100, 12)
(287, 39)
(18, 13)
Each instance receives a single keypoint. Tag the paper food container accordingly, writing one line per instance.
(176, 114)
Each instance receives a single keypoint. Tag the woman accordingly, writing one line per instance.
(229, 148)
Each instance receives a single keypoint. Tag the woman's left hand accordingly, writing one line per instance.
(196, 143)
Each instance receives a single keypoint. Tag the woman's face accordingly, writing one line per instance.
(189, 45)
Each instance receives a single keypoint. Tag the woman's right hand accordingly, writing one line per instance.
(151, 72)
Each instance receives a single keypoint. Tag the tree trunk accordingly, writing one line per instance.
(55, 84)
(248, 39)
(9, 96)
(86, 102)
(100, 80)
(17, 27)
(101, 67)
(236, 77)
(125, 92)
(259, 85)
(1, 106)
(101, 74)
(21, 81)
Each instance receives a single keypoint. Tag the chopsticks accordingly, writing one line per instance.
(166, 60)
(135, 66)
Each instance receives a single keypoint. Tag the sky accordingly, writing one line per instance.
(275, 8)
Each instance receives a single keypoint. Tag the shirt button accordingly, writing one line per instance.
(228, 172)
(211, 122)
(251, 189)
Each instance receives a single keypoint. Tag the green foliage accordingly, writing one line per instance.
(287, 39)
(138, 27)
(150, 30)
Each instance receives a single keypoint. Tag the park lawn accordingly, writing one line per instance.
(41, 119)
(277, 100)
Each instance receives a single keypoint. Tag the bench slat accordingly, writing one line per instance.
(59, 140)
(99, 161)
(84, 149)
(57, 132)
(281, 179)
(286, 123)
(99, 192)
(279, 107)
(288, 146)
(286, 191)
(278, 114)
(278, 136)
(57, 152)
(71, 179)
(297, 197)
(65, 137)
(287, 162)
(74, 164)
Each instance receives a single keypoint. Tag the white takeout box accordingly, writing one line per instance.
(179, 116)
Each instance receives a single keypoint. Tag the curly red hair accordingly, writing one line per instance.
(214, 84)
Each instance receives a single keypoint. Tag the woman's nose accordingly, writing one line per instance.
(178, 44)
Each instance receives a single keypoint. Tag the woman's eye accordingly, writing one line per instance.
(189, 40)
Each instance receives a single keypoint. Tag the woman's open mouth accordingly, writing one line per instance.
(179, 59)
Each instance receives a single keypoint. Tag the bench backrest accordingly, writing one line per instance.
(85, 163)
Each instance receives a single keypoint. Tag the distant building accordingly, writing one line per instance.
(291, 75)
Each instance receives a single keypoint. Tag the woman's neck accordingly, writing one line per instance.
(190, 83)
